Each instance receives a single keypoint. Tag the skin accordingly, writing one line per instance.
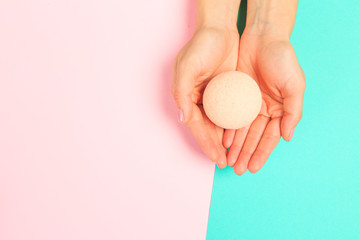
(265, 53)
(213, 49)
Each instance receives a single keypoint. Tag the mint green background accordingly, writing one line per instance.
(310, 187)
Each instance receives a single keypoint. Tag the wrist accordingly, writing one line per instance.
(266, 30)
(219, 14)
(271, 18)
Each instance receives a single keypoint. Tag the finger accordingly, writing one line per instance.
(200, 129)
(220, 135)
(252, 139)
(236, 146)
(268, 142)
(182, 88)
(216, 134)
(228, 138)
(293, 104)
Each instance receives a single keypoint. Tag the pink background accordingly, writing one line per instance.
(90, 146)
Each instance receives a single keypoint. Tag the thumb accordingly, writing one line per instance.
(293, 104)
(182, 89)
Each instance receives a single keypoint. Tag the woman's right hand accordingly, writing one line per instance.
(212, 50)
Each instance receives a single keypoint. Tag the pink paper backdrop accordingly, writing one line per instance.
(90, 147)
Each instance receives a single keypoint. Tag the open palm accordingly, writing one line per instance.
(274, 66)
(211, 51)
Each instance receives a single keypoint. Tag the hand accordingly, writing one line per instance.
(272, 62)
(211, 50)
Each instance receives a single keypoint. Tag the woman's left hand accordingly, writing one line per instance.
(272, 63)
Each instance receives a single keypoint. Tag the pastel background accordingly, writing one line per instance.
(309, 188)
(90, 146)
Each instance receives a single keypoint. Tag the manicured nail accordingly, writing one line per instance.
(291, 134)
(181, 116)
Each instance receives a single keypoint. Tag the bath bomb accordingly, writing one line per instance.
(232, 100)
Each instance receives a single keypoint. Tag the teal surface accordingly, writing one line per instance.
(310, 187)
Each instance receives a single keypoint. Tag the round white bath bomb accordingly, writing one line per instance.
(232, 100)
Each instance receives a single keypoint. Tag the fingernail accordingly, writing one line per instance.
(181, 115)
(221, 165)
(291, 134)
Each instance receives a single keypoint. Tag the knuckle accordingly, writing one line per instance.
(272, 135)
(259, 153)
(252, 136)
(299, 116)
(236, 146)
(214, 156)
(176, 93)
(246, 153)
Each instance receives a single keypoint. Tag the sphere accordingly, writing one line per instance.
(232, 100)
